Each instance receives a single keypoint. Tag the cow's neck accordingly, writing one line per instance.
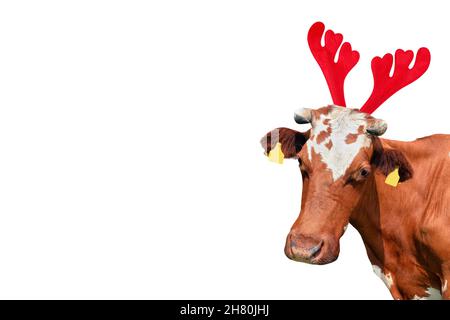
(387, 219)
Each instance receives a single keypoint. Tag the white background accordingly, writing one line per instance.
(130, 164)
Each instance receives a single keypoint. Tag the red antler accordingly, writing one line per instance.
(334, 73)
(385, 85)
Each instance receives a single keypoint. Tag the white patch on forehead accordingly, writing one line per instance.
(387, 278)
(432, 294)
(342, 121)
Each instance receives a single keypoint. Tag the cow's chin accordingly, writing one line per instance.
(328, 254)
(324, 259)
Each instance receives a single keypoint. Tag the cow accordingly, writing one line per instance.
(346, 167)
(344, 164)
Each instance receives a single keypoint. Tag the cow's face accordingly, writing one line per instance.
(336, 160)
(335, 163)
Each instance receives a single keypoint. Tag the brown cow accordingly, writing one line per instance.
(344, 164)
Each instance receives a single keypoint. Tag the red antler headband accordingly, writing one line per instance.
(384, 84)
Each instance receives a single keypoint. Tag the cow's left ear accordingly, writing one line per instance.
(291, 141)
(387, 160)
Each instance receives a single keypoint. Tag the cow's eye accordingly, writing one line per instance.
(364, 172)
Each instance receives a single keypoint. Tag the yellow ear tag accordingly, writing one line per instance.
(276, 155)
(393, 178)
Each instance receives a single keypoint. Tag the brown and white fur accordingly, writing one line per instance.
(344, 164)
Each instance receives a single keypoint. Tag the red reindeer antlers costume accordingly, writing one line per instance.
(334, 72)
(384, 84)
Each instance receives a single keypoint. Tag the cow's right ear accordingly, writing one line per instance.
(291, 141)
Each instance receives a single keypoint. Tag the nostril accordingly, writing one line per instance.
(292, 241)
(314, 250)
(288, 247)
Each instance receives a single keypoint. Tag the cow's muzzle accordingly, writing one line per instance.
(305, 249)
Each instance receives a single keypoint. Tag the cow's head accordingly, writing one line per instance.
(337, 157)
